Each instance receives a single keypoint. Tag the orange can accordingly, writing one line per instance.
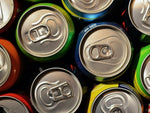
(9, 64)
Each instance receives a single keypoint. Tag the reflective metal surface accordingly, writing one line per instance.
(56, 90)
(12, 105)
(5, 65)
(145, 74)
(43, 31)
(105, 51)
(139, 13)
(90, 6)
(116, 100)
(6, 11)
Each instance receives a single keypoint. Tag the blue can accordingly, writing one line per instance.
(89, 9)
(103, 51)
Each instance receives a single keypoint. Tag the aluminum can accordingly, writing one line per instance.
(45, 32)
(138, 11)
(115, 98)
(9, 64)
(141, 77)
(56, 90)
(103, 51)
(88, 9)
(8, 12)
(14, 103)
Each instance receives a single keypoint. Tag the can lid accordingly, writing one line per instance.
(6, 12)
(55, 90)
(139, 13)
(90, 6)
(105, 51)
(116, 100)
(5, 65)
(145, 74)
(12, 105)
(42, 31)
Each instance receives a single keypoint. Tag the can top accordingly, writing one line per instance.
(90, 6)
(105, 50)
(55, 90)
(6, 12)
(139, 11)
(116, 100)
(12, 105)
(145, 74)
(42, 31)
(5, 65)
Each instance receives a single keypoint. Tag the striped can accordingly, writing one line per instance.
(115, 98)
(141, 77)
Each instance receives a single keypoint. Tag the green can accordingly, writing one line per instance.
(142, 73)
(45, 32)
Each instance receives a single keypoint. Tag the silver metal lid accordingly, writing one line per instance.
(105, 51)
(56, 90)
(6, 11)
(139, 13)
(5, 65)
(43, 31)
(116, 100)
(145, 74)
(12, 105)
(90, 6)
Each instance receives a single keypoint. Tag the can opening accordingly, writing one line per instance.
(116, 110)
(2, 110)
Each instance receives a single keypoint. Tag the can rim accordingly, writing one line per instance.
(25, 50)
(122, 32)
(141, 74)
(19, 101)
(91, 12)
(9, 64)
(116, 88)
(61, 69)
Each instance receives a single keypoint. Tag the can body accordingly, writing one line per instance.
(141, 76)
(89, 10)
(139, 16)
(115, 97)
(53, 88)
(103, 51)
(49, 36)
(13, 66)
(10, 101)
(8, 9)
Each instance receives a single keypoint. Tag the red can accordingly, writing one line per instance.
(8, 13)
(15, 103)
(9, 64)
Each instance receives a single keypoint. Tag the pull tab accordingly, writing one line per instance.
(3, 109)
(100, 52)
(116, 110)
(60, 92)
(1, 13)
(39, 33)
(115, 103)
(146, 16)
